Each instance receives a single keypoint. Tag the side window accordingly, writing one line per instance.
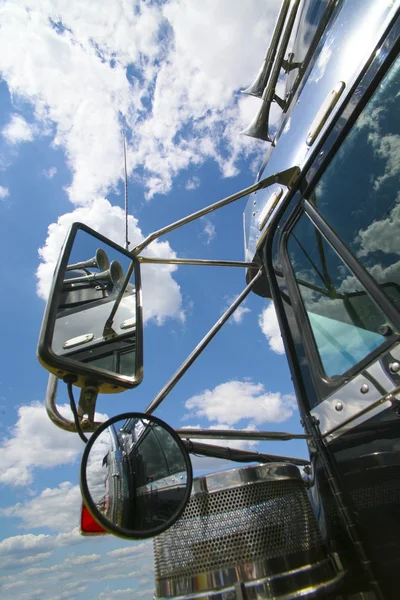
(359, 194)
(346, 324)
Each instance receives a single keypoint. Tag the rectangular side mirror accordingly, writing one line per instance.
(92, 327)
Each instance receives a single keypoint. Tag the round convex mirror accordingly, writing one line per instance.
(136, 476)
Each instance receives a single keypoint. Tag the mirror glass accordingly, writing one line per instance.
(91, 284)
(136, 475)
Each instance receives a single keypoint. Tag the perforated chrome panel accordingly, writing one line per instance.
(252, 532)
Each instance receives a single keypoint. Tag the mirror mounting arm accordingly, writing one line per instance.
(54, 414)
(187, 363)
(287, 178)
(87, 403)
(227, 453)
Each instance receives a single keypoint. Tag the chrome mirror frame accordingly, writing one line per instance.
(91, 506)
(62, 366)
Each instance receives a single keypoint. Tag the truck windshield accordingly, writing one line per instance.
(359, 196)
(359, 193)
(345, 321)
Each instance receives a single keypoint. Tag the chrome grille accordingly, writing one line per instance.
(240, 532)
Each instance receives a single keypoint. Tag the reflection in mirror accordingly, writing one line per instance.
(136, 476)
(91, 282)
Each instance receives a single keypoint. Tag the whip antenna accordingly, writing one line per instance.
(126, 198)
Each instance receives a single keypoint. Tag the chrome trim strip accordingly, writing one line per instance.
(234, 478)
(364, 396)
(269, 207)
(323, 113)
(381, 403)
(223, 581)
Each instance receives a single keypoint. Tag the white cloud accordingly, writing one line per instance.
(193, 183)
(83, 559)
(48, 446)
(161, 294)
(187, 60)
(73, 574)
(55, 508)
(31, 545)
(50, 173)
(18, 130)
(4, 193)
(208, 232)
(270, 327)
(381, 234)
(25, 561)
(130, 550)
(126, 594)
(230, 402)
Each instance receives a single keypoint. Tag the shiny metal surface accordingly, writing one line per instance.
(259, 128)
(245, 456)
(281, 177)
(344, 49)
(267, 588)
(268, 208)
(237, 434)
(257, 87)
(55, 416)
(387, 401)
(253, 528)
(196, 262)
(205, 211)
(363, 397)
(324, 112)
(234, 478)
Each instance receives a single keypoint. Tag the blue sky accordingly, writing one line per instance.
(71, 77)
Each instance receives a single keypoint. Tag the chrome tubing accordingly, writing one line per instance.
(237, 455)
(237, 434)
(200, 347)
(55, 416)
(197, 262)
(286, 177)
(257, 87)
(51, 407)
(258, 128)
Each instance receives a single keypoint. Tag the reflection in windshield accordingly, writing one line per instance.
(359, 193)
(359, 197)
(345, 321)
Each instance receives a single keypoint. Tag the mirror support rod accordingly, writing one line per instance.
(237, 434)
(197, 262)
(200, 347)
(51, 406)
(55, 416)
(284, 178)
(287, 178)
(238, 455)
